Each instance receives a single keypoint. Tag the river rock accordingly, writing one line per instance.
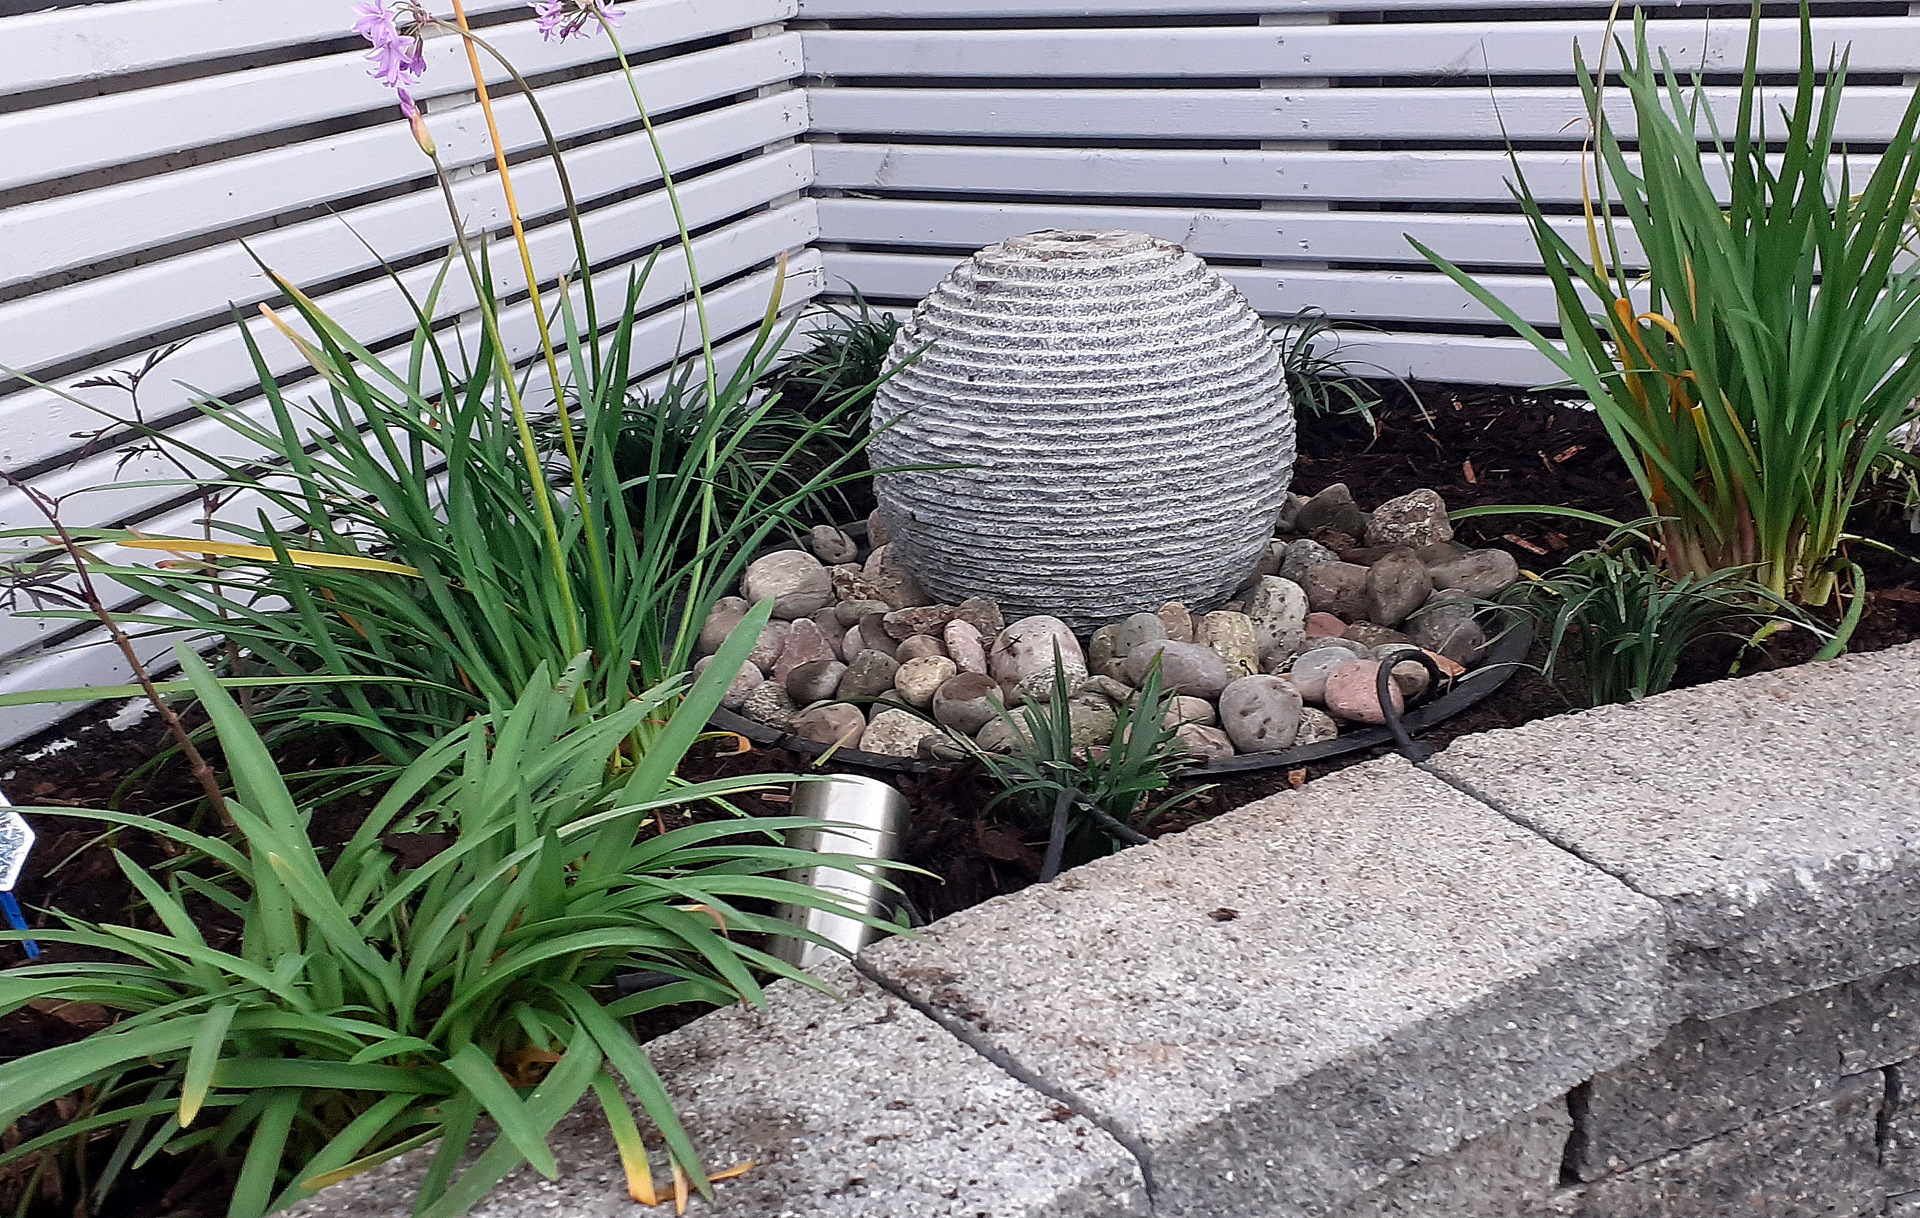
(830, 545)
(1230, 636)
(773, 641)
(891, 581)
(882, 526)
(1396, 586)
(983, 614)
(1026, 649)
(1203, 743)
(1278, 609)
(1374, 635)
(1336, 587)
(1353, 693)
(1302, 556)
(793, 580)
(1331, 511)
(966, 645)
(1185, 668)
(1324, 626)
(1316, 727)
(966, 702)
(1117, 693)
(830, 723)
(869, 674)
(1289, 519)
(903, 624)
(1005, 735)
(806, 642)
(1271, 560)
(1103, 653)
(721, 622)
(744, 682)
(897, 733)
(1190, 710)
(1090, 720)
(1177, 620)
(873, 634)
(1440, 552)
(850, 612)
(1260, 714)
(918, 679)
(1482, 573)
(769, 705)
(1446, 625)
(919, 647)
(1411, 678)
(829, 623)
(944, 746)
(1311, 670)
(1417, 518)
(851, 644)
(815, 681)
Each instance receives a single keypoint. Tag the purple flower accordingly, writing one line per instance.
(558, 22)
(396, 58)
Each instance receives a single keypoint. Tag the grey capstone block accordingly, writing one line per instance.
(859, 1110)
(1900, 1148)
(1284, 1007)
(1707, 1077)
(1502, 1172)
(1906, 1205)
(1776, 818)
(1879, 1020)
(1818, 1159)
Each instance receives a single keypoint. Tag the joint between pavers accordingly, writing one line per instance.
(1009, 1065)
(1487, 801)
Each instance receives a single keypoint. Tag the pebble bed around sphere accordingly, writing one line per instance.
(1124, 416)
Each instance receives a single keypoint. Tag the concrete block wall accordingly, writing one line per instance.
(1658, 960)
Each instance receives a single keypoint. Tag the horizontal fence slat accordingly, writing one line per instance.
(993, 10)
(61, 46)
(1289, 175)
(73, 231)
(1300, 236)
(1417, 296)
(58, 326)
(1466, 49)
(1867, 113)
(74, 137)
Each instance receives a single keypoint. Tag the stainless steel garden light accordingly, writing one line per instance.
(863, 817)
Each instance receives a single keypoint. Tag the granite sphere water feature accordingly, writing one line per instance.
(1115, 421)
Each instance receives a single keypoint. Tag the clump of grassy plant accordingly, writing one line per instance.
(1094, 797)
(361, 1008)
(835, 375)
(1752, 374)
(1618, 624)
(1320, 381)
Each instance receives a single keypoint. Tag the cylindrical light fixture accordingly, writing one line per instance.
(862, 817)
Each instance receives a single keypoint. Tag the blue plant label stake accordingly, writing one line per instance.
(16, 839)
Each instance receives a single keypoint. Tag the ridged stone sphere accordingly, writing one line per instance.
(1123, 417)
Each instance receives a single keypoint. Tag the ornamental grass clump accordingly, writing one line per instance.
(1618, 625)
(314, 1013)
(1752, 374)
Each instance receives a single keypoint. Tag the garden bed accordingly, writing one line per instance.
(1473, 446)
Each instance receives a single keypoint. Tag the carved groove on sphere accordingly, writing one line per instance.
(1125, 416)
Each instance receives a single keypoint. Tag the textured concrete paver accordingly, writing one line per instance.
(1508, 1171)
(1285, 1005)
(1776, 818)
(862, 1110)
(1816, 1161)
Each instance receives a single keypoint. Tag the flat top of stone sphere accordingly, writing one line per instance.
(1054, 245)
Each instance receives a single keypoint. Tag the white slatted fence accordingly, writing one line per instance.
(1294, 143)
(154, 148)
